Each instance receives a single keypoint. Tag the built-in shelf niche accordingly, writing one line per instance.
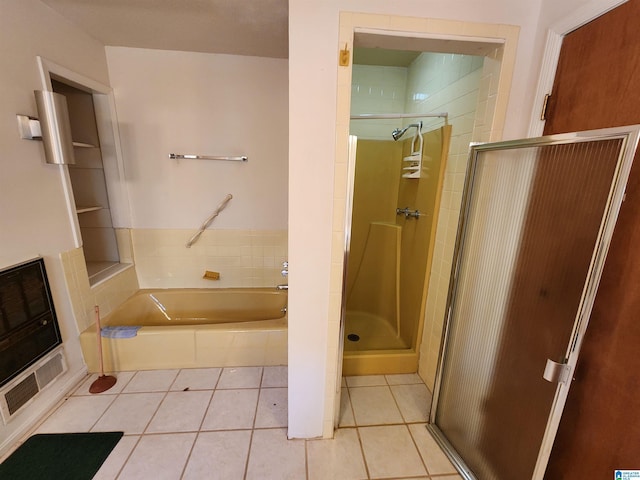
(88, 183)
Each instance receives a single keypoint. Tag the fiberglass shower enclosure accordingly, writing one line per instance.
(395, 196)
(538, 216)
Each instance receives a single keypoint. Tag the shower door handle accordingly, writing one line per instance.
(555, 372)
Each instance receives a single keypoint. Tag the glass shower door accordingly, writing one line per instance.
(538, 216)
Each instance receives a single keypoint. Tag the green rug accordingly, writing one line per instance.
(59, 456)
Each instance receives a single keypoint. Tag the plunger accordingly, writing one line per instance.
(103, 382)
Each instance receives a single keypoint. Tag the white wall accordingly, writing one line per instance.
(198, 103)
(206, 104)
(33, 214)
(313, 53)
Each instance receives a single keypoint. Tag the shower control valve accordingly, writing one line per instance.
(285, 270)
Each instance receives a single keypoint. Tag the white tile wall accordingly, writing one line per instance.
(470, 101)
(377, 89)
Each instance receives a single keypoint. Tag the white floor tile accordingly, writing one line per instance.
(275, 376)
(231, 410)
(346, 412)
(390, 452)
(240, 377)
(403, 379)
(414, 402)
(337, 459)
(159, 457)
(129, 413)
(117, 458)
(272, 408)
(434, 458)
(219, 456)
(374, 406)
(196, 379)
(273, 457)
(76, 414)
(366, 381)
(122, 378)
(181, 412)
(151, 381)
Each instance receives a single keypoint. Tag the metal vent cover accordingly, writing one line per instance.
(50, 370)
(21, 393)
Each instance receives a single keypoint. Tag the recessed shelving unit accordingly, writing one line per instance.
(88, 183)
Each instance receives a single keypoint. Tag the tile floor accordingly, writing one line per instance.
(231, 424)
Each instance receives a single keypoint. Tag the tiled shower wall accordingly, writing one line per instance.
(244, 258)
(470, 102)
(377, 89)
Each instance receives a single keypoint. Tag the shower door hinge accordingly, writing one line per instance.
(555, 372)
(545, 104)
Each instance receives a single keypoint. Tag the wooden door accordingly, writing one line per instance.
(598, 85)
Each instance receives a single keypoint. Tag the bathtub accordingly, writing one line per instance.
(194, 328)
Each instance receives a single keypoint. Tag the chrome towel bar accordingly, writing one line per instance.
(181, 156)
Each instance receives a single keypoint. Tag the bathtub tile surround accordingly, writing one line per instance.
(244, 258)
(107, 294)
(231, 424)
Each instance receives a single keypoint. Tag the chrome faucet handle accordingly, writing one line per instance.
(285, 271)
(285, 264)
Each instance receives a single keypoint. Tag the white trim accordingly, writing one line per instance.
(107, 123)
(555, 35)
(48, 69)
(431, 36)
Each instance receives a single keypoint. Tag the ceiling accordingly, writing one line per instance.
(241, 27)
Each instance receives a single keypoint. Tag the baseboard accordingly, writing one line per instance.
(37, 413)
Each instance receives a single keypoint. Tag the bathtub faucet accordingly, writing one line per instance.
(284, 272)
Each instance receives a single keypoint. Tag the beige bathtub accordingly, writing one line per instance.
(194, 328)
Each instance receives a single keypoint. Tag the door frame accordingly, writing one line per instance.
(555, 36)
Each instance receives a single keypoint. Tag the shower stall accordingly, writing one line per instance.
(394, 202)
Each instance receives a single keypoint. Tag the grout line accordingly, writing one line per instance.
(246, 462)
(306, 459)
(364, 458)
(124, 464)
(184, 467)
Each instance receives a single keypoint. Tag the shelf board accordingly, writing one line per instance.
(87, 209)
(83, 145)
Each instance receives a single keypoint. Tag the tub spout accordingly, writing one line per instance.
(282, 287)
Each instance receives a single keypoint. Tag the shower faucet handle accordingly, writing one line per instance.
(285, 270)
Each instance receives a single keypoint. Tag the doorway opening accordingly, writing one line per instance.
(441, 98)
(497, 45)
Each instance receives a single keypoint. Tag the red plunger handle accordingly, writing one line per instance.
(99, 330)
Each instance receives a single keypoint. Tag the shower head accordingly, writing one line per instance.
(397, 133)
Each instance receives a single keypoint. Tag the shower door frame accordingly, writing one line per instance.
(630, 136)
